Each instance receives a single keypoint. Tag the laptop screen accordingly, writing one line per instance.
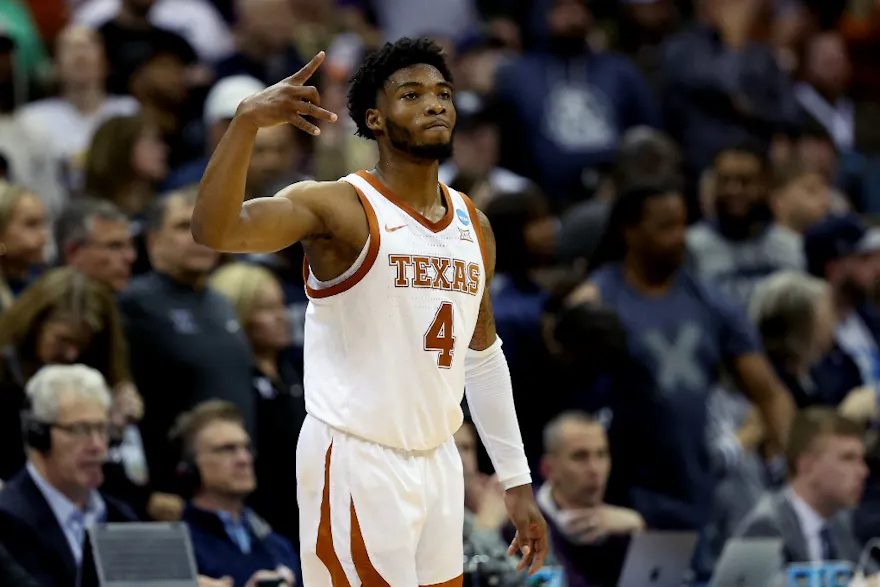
(144, 555)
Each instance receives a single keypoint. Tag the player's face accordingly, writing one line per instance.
(416, 112)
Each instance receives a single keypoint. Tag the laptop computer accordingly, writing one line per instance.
(155, 554)
(658, 559)
(748, 562)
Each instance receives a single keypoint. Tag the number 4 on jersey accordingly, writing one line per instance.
(439, 336)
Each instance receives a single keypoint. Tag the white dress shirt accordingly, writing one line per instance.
(811, 524)
(73, 521)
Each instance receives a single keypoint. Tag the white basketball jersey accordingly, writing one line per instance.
(385, 342)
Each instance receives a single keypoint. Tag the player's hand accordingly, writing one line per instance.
(287, 102)
(531, 529)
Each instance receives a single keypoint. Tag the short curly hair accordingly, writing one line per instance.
(378, 66)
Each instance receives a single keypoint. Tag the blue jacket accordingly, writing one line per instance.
(218, 556)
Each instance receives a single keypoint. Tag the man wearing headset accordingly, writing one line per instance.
(217, 472)
(46, 508)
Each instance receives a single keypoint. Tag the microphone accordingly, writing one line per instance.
(859, 578)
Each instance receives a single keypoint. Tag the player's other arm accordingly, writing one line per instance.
(222, 219)
(490, 399)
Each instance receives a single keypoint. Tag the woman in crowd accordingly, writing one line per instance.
(23, 237)
(259, 302)
(64, 317)
(127, 159)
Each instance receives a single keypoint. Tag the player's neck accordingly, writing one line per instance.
(413, 181)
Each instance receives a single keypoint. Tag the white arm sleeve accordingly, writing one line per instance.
(490, 399)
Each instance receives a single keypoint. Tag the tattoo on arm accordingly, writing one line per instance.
(484, 334)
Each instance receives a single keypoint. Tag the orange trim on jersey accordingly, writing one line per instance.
(403, 205)
(324, 548)
(355, 277)
(478, 227)
(457, 582)
(367, 573)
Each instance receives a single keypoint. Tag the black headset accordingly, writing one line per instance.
(37, 435)
(188, 475)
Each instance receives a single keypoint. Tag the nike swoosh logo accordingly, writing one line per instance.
(393, 228)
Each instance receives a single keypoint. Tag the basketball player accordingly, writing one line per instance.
(399, 323)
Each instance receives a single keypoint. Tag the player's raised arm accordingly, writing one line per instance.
(490, 399)
(222, 219)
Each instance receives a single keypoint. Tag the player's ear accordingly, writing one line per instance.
(375, 121)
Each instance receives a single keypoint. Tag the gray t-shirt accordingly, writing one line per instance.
(735, 267)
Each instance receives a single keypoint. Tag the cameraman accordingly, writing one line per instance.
(217, 465)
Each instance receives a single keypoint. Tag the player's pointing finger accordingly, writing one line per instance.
(308, 70)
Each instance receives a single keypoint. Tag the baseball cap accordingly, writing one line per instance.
(837, 237)
(223, 99)
(472, 110)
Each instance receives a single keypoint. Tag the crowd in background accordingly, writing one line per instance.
(682, 195)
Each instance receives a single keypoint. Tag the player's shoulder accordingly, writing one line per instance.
(321, 194)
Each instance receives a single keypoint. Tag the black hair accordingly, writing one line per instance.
(626, 212)
(509, 214)
(377, 67)
(747, 146)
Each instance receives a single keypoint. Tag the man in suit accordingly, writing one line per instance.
(47, 507)
(826, 470)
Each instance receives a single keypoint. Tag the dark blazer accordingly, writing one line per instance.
(32, 535)
(775, 517)
(11, 574)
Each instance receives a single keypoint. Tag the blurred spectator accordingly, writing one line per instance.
(795, 317)
(129, 36)
(826, 475)
(220, 106)
(23, 238)
(394, 19)
(263, 42)
(229, 539)
(722, 84)
(800, 197)
(172, 319)
(680, 331)
(126, 160)
(847, 254)
(159, 81)
(567, 120)
(31, 60)
(525, 234)
(589, 536)
(259, 303)
(641, 26)
(485, 514)
(644, 156)
(94, 236)
(70, 120)
(742, 244)
(64, 317)
(286, 266)
(46, 509)
(473, 168)
(823, 91)
(28, 151)
(197, 21)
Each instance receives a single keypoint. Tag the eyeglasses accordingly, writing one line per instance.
(231, 449)
(83, 430)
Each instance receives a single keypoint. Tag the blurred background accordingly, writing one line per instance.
(733, 146)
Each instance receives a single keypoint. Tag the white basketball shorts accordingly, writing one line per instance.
(375, 516)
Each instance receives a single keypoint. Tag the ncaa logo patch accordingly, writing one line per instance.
(463, 217)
